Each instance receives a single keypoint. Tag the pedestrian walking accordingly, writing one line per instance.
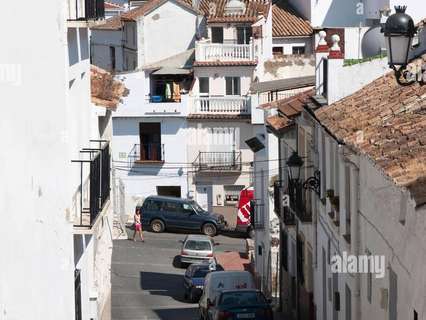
(138, 225)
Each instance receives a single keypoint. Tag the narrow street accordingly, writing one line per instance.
(145, 283)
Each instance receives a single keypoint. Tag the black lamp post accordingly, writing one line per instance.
(399, 31)
(294, 163)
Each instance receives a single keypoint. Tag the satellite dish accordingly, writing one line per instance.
(373, 42)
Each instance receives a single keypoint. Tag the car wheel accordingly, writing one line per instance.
(157, 226)
(209, 229)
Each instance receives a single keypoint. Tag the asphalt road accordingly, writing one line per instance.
(145, 283)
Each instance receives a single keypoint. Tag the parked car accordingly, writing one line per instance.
(197, 248)
(216, 282)
(161, 213)
(193, 280)
(240, 304)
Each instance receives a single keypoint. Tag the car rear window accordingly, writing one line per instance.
(241, 298)
(198, 245)
(200, 273)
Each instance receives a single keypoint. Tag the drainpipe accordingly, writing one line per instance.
(356, 237)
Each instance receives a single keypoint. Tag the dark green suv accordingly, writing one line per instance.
(161, 213)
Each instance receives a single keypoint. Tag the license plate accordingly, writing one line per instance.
(246, 316)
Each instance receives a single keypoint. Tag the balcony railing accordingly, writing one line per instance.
(205, 51)
(298, 199)
(146, 153)
(218, 161)
(86, 10)
(97, 186)
(235, 105)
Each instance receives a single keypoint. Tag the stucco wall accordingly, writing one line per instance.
(142, 180)
(168, 30)
(217, 78)
(100, 42)
(288, 43)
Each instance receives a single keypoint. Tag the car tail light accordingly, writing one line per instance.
(183, 252)
(224, 315)
(210, 255)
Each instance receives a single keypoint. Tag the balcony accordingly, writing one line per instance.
(84, 10)
(94, 193)
(149, 153)
(229, 105)
(298, 200)
(218, 161)
(205, 51)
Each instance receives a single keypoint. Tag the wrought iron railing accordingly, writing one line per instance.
(147, 152)
(218, 161)
(298, 197)
(86, 9)
(98, 184)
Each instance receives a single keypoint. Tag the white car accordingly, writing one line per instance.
(197, 248)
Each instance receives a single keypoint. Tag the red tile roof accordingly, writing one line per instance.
(387, 123)
(254, 8)
(112, 6)
(287, 22)
(150, 5)
(105, 91)
(289, 108)
(113, 23)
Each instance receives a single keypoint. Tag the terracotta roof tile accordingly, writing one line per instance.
(105, 91)
(150, 5)
(386, 122)
(287, 22)
(279, 123)
(254, 8)
(292, 106)
(113, 23)
(111, 5)
(223, 63)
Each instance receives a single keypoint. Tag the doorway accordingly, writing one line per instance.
(205, 197)
(169, 191)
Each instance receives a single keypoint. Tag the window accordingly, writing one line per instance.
(243, 35)
(369, 278)
(112, 57)
(298, 50)
(348, 199)
(233, 86)
(77, 295)
(348, 303)
(198, 245)
(284, 249)
(152, 205)
(232, 194)
(186, 207)
(217, 34)
(150, 141)
(171, 206)
(277, 51)
(204, 85)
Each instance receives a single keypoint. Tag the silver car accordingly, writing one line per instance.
(197, 248)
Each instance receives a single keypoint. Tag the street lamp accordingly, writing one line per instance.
(294, 163)
(399, 31)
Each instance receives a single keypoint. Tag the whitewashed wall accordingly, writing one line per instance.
(217, 78)
(142, 180)
(101, 41)
(168, 30)
(288, 43)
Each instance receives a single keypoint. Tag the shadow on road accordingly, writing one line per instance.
(177, 314)
(163, 284)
